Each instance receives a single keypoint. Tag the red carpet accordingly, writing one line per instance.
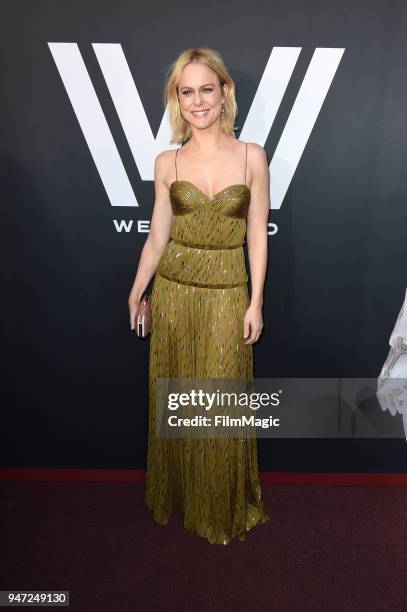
(325, 548)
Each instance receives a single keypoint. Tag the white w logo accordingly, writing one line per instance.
(145, 147)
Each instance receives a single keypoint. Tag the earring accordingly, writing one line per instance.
(222, 112)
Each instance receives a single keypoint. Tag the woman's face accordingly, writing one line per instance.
(200, 95)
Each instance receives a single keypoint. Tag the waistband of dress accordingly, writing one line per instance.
(202, 285)
(206, 247)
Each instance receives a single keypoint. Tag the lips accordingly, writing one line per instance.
(200, 113)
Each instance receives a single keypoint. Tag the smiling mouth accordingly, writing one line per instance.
(200, 113)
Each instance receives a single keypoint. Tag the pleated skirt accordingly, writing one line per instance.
(197, 332)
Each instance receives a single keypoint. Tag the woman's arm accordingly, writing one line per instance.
(257, 240)
(158, 237)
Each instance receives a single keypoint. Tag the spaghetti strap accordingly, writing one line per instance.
(175, 159)
(245, 171)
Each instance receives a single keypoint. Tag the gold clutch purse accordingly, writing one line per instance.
(143, 316)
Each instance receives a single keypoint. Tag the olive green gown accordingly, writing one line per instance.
(199, 299)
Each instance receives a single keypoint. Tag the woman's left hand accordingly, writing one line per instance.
(253, 322)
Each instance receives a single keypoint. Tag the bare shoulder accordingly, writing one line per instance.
(256, 153)
(257, 163)
(164, 158)
(163, 166)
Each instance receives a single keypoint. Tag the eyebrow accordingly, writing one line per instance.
(188, 87)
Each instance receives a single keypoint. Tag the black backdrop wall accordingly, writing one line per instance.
(77, 162)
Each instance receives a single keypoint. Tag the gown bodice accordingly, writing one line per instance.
(207, 236)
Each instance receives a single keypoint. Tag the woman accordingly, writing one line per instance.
(208, 193)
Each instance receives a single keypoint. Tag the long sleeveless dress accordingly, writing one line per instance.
(199, 299)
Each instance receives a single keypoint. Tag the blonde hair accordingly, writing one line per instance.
(181, 130)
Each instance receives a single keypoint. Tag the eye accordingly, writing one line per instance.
(189, 91)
